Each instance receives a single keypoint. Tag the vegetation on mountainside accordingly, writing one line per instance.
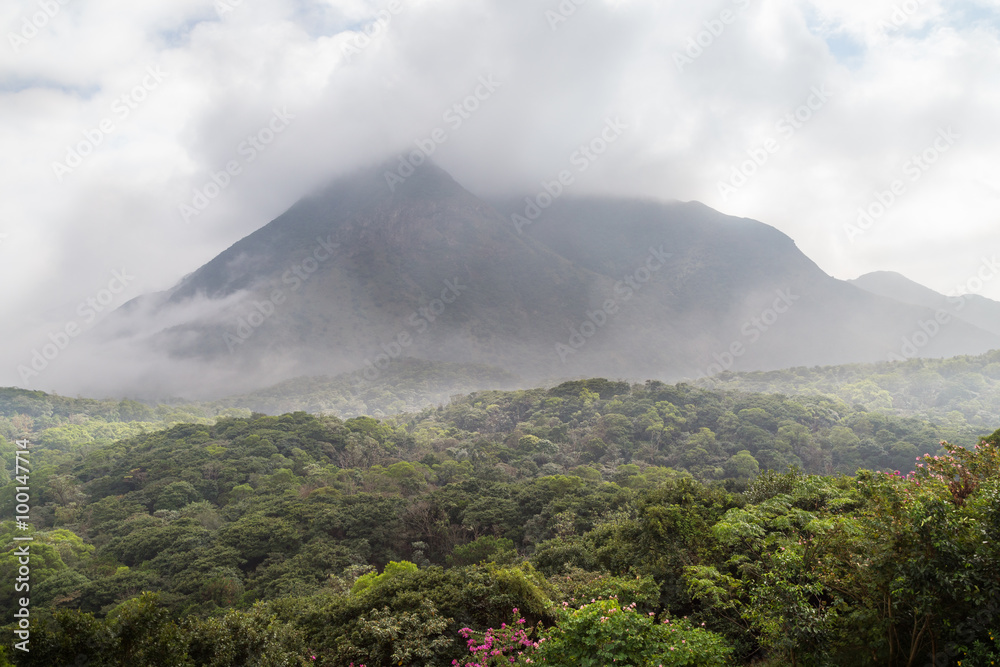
(957, 391)
(593, 522)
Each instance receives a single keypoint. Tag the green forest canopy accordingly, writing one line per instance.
(378, 541)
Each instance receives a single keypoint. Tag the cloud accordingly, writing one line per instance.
(896, 77)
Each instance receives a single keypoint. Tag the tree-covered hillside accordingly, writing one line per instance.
(596, 522)
(59, 423)
(958, 390)
(402, 385)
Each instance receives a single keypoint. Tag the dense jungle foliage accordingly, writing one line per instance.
(594, 523)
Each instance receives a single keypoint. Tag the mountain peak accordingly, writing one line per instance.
(897, 286)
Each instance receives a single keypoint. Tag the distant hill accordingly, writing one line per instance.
(959, 390)
(972, 308)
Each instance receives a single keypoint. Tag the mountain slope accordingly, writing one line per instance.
(729, 281)
(358, 271)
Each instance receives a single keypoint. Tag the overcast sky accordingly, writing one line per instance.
(795, 113)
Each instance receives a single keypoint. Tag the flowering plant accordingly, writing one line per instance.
(510, 644)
